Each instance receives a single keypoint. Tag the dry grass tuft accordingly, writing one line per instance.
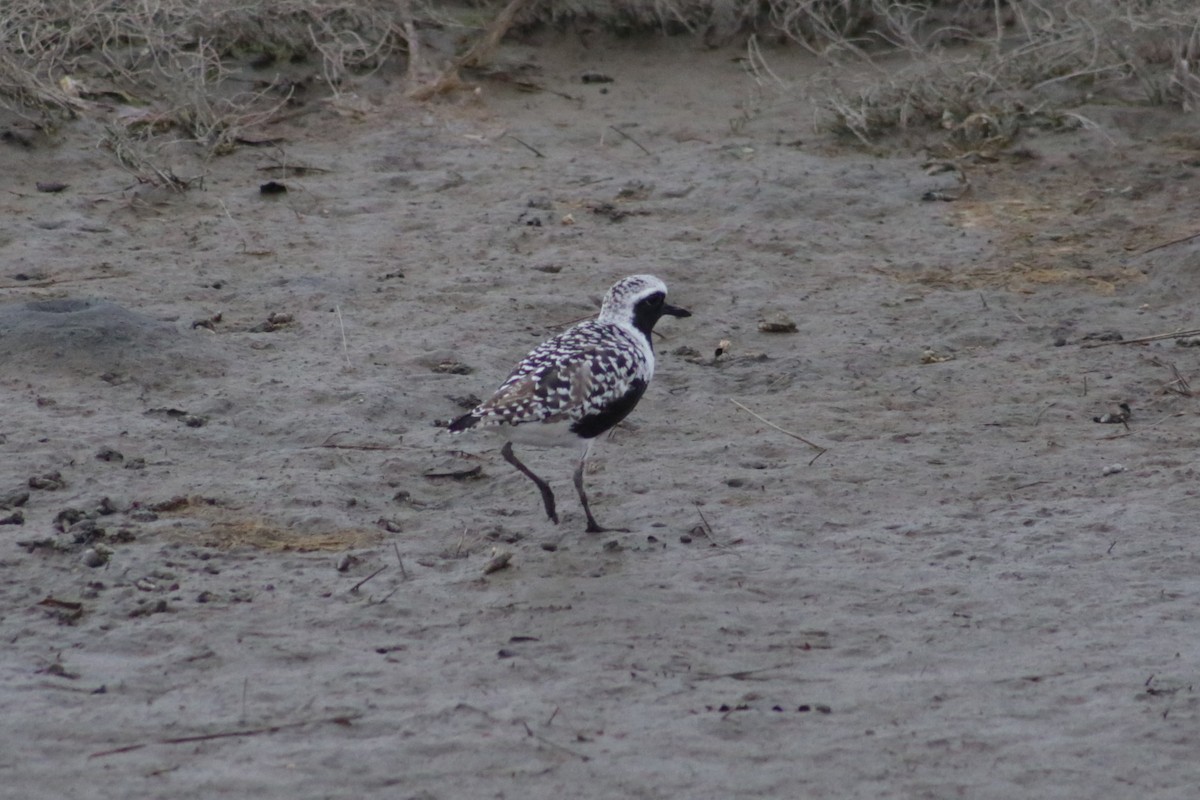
(206, 72)
(202, 73)
(1019, 63)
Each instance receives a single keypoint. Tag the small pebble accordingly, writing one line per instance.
(1113, 469)
(777, 323)
(93, 558)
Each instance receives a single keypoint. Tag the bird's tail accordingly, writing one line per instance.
(463, 423)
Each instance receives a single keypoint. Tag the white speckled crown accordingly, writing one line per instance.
(625, 294)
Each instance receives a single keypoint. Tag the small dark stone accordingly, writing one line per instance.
(595, 77)
(13, 499)
(15, 518)
(685, 539)
(86, 531)
(272, 187)
(123, 535)
(505, 653)
(68, 517)
(452, 368)
(50, 482)
(549, 547)
(50, 186)
(108, 454)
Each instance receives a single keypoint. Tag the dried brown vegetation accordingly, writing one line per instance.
(207, 72)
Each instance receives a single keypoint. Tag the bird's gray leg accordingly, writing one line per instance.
(543, 487)
(592, 526)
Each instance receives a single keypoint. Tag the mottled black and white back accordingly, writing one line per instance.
(579, 384)
(590, 376)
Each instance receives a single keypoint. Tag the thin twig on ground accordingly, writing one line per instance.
(1180, 240)
(354, 589)
(784, 431)
(1153, 338)
(400, 561)
(630, 138)
(342, 328)
(344, 719)
(554, 745)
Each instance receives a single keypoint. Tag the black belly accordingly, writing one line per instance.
(593, 425)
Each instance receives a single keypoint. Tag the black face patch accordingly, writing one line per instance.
(593, 425)
(647, 312)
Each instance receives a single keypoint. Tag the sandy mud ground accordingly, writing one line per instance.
(228, 568)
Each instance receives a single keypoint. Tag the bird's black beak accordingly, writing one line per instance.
(675, 311)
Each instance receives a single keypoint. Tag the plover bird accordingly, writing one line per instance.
(579, 384)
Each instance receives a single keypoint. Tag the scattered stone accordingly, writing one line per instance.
(85, 531)
(148, 608)
(50, 482)
(777, 323)
(174, 504)
(68, 517)
(15, 518)
(13, 499)
(207, 323)
(124, 535)
(108, 454)
(930, 356)
(452, 368)
(135, 463)
(50, 187)
(346, 561)
(94, 558)
(191, 420)
(1121, 417)
(275, 321)
(1113, 469)
(595, 77)
(498, 562)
